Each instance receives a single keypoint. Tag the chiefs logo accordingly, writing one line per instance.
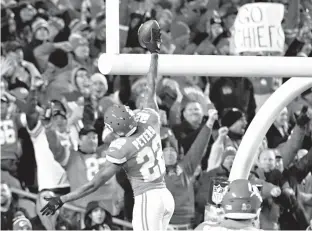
(217, 193)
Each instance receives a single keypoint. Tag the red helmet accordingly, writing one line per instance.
(120, 119)
(242, 200)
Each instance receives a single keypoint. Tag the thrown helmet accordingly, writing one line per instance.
(120, 119)
(242, 200)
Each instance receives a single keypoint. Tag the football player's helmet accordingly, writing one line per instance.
(120, 119)
(242, 200)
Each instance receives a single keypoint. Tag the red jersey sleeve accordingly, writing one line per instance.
(117, 151)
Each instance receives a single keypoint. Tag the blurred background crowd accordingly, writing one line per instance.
(51, 85)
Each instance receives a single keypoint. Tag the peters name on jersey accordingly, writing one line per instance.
(144, 138)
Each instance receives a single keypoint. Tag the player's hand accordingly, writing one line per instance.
(275, 192)
(54, 204)
(154, 45)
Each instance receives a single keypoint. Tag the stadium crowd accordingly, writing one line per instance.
(50, 80)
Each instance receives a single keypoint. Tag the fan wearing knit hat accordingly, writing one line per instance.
(230, 118)
(235, 120)
(97, 217)
(99, 89)
(228, 158)
(99, 85)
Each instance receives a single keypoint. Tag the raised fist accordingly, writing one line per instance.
(212, 117)
(275, 192)
(223, 131)
(213, 114)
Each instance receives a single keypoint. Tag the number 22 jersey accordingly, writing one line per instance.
(141, 154)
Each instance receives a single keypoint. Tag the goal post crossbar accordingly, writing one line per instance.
(207, 65)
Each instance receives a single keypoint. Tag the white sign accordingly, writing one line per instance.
(257, 28)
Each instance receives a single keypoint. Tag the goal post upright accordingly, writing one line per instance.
(261, 123)
(112, 26)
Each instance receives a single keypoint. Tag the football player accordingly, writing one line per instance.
(138, 150)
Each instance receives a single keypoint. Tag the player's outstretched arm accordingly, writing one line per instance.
(105, 173)
(151, 101)
(153, 46)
